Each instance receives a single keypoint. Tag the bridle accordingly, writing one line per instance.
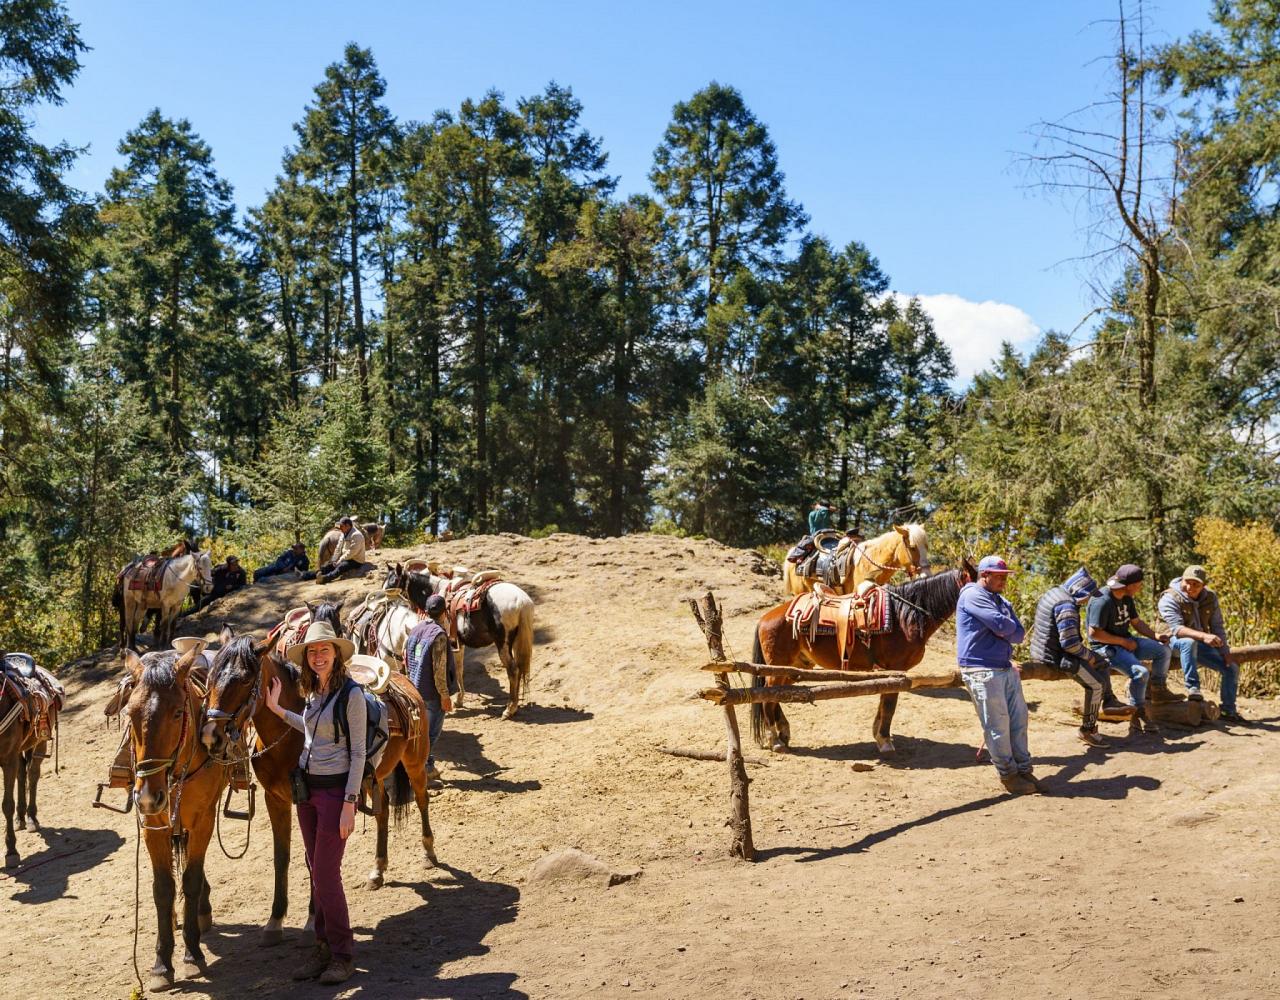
(168, 765)
(236, 722)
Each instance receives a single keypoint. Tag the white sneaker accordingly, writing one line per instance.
(1193, 694)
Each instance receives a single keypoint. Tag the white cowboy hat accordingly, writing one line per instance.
(318, 632)
(369, 671)
(185, 643)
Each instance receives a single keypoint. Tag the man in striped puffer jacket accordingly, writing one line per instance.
(1056, 639)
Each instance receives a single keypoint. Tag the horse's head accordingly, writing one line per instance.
(418, 587)
(912, 552)
(968, 571)
(235, 688)
(326, 611)
(204, 568)
(395, 577)
(160, 722)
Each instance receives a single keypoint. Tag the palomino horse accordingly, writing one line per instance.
(23, 748)
(906, 547)
(176, 789)
(229, 708)
(504, 619)
(235, 692)
(916, 610)
(175, 580)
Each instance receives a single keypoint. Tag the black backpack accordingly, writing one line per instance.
(375, 736)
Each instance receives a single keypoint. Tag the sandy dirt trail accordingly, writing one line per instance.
(1150, 872)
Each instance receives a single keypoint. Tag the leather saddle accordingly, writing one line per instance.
(466, 600)
(38, 694)
(850, 618)
(148, 573)
(404, 718)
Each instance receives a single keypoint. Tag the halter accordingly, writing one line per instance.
(159, 765)
(236, 720)
(860, 552)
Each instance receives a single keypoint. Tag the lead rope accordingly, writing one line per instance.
(137, 876)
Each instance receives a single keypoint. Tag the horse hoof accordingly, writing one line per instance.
(22, 824)
(374, 883)
(885, 749)
(159, 982)
(191, 970)
(508, 712)
(32, 824)
(779, 747)
(12, 859)
(205, 922)
(270, 937)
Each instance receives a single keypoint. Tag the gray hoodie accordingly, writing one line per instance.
(1204, 615)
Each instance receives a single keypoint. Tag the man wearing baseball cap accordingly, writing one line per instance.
(1112, 619)
(986, 629)
(1056, 639)
(1192, 611)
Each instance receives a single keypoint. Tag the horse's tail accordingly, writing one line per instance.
(757, 708)
(522, 643)
(402, 792)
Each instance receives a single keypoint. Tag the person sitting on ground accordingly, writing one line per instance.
(1192, 611)
(820, 517)
(350, 553)
(1112, 618)
(429, 641)
(332, 771)
(1056, 639)
(293, 559)
(986, 629)
(227, 577)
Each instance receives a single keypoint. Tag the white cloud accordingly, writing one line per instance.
(975, 330)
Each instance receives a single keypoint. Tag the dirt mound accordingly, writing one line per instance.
(917, 877)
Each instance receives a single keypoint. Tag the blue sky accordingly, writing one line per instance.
(897, 124)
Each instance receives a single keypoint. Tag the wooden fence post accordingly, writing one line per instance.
(711, 620)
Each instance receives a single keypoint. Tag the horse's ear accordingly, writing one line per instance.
(263, 647)
(188, 660)
(225, 635)
(311, 608)
(902, 530)
(133, 663)
(337, 608)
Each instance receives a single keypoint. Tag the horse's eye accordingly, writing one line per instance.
(178, 714)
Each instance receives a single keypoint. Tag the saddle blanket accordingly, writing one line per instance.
(822, 612)
(148, 574)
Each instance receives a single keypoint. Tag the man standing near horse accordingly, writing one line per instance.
(350, 553)
(429, 641)
(1112, 616)
(987, 628)
(1192, 611)
(820, 517)
(1056, 639)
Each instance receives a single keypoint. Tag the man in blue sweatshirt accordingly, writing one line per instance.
(986, 629)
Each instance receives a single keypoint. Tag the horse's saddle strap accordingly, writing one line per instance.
(403, 717)
(821, 612)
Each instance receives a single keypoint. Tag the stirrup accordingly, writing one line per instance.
(99, 804)
(244, 814)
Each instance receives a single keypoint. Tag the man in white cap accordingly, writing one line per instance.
(987, 628)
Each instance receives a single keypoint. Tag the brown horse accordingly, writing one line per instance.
(176, 788)
(234, 685)
(916, 610)
(22, 750)
(240, 675)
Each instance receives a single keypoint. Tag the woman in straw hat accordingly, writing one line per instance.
(333, 770)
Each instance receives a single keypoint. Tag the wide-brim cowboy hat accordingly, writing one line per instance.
(318, 632)
(370, 671)
(185, 643)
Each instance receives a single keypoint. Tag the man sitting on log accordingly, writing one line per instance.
(1111, 619)
(1056, 639)
(1192, 611)
(986, 629)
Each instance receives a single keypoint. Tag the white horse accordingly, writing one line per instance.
(504, 619)
(175, 581)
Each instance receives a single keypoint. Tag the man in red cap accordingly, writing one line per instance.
(986, 630)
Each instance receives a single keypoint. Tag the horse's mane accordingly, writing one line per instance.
(160, 668)
(236, 661)
(327, 611)
(917, 534)
(925, 601)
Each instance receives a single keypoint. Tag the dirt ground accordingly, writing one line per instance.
(1151, 871)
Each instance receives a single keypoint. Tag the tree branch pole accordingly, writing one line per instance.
(711, 620)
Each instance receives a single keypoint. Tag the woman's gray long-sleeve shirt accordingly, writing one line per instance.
(322, 752)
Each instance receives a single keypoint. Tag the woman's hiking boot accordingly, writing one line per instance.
(317, 963)
(339, 971)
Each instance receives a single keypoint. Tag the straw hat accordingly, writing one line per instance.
(185, 643)
(369, 671)
(318, 632)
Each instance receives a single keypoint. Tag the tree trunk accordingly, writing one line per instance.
(480, 390)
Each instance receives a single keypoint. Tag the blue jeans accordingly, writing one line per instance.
(997, 695)
(435, 724)
(1130, 664)
(1193, 653)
